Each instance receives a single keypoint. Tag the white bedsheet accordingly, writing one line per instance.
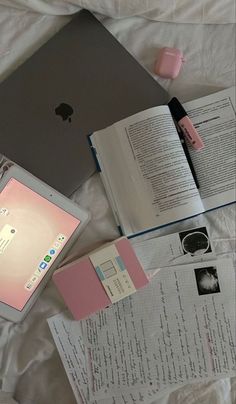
(30, 368)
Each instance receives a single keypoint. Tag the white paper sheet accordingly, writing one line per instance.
(185, 247)
(67, 334)
(179, 329)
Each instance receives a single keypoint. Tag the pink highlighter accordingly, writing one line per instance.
(180, 115)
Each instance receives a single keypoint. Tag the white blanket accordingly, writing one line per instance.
(30, 368)
(188, 11)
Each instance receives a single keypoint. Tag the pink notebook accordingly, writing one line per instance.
(81, 282)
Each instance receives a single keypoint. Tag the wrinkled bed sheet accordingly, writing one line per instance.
(31, 371)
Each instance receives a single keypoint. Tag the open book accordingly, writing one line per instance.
(145, 170)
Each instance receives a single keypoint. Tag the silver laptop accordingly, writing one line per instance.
(80, 81)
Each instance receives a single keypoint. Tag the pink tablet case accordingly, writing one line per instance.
(81, 288)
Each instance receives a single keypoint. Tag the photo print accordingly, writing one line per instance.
(195, 241)
(207, 280)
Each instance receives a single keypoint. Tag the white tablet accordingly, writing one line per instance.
(37, 227)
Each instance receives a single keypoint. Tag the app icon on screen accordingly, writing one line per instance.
(34, 279)
(56, 245)
(43, 265)
(61, 238)
(52, 251)
(38, 272)
(28, 285)
(47, 258)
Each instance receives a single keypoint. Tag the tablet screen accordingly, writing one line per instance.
(33, 231)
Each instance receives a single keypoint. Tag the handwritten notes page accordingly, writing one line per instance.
(179, 329)
(69, 342)
(67, 334)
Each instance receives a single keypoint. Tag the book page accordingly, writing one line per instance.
(215, 165)
(179, 329)
(145, 171)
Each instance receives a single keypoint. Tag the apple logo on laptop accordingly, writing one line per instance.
(65, 111)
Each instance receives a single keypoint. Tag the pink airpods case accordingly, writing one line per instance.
(169, 63)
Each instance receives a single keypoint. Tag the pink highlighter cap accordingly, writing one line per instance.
(180, 115)
(169, 63)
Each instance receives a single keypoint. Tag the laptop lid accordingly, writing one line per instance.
(80, 81)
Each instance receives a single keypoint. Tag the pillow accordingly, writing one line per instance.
(187, 11)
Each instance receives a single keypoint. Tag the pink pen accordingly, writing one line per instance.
(186, 125)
